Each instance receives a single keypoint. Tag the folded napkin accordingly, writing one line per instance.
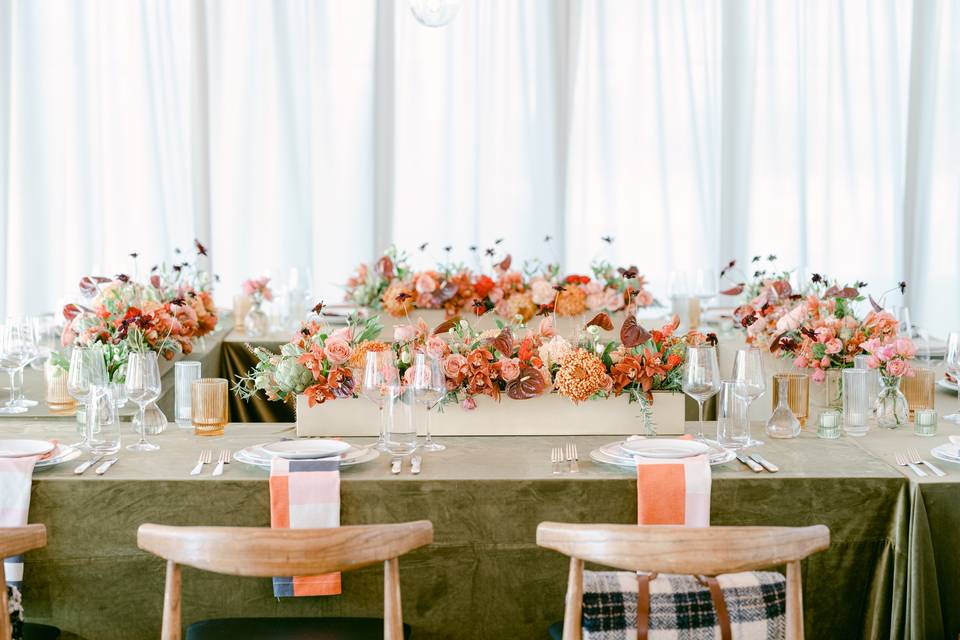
(305, 494)
(675, 492)
(15, 478)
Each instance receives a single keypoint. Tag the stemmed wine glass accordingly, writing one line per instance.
(17, 349)
(701, 377)
(381, 381)
(429, 388)
(750, 381)
(87, 371)
(143, 387)
(952, 362)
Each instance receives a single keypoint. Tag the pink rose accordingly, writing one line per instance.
(818, 375)
(887, 351)
(834, 346)
(425, 283)
(873, 362)
(509, 368)
(338, 351)
(906, 348)
(542, 291)
(404, 332)
(897, 367)
(871, 345)
(453, 365)
(469, 404)
(436, 346)
(824, 362)
(800, 362)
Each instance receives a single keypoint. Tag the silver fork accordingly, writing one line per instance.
(914, 456)
(903, 462)
(573, 460)
(556, 456)
(222, 460)
(205, 457)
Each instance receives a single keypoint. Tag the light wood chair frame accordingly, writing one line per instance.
(13, 542)
(706, 551)
(263, 552)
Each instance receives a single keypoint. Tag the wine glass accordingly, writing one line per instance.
(17, 349)
(87, 371)
(750, 380)
(701, 377)
(429, 387)
(143, 387)
(952, 361)
(381, 381)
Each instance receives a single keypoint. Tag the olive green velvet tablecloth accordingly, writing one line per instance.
(484, 576)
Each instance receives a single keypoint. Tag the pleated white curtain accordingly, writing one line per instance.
(312, 134)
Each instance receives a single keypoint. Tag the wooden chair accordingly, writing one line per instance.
(684, 550)
(13, 542)
(263, 552)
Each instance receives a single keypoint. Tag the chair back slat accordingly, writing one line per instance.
(262, 552)
(686, 550)
(13, 542)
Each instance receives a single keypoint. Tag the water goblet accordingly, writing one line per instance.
(701, 378)
(430, 387)
(143, 387)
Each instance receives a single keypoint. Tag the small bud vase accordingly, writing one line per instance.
(891, 409)
(257, 322)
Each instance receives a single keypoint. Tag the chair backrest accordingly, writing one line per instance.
(13, 542)
(685, 550)
(263, 552)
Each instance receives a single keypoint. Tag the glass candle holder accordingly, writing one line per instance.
(925, 422)
(856, 401)
(209, 406)
(919, 389)
(57, 396)
(862, 362)
(828, 424)
(241, 306)
(184, 375)
(798, 394)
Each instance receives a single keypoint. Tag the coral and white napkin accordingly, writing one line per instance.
(674, 492)
(305, 494)
(16, 475)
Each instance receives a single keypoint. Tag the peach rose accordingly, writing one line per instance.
(426, 283)
(542, 292)
(404, 332)
(509, 368)
(454, 365)
(436, 346)
(343, 333)
(337, 350)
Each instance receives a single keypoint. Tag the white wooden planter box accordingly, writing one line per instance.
(550, 414)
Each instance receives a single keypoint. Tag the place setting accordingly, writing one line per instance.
(347, 455)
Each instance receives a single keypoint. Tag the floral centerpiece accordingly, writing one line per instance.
(891, 356)
(768, 297)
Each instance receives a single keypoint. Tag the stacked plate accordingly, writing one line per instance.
(949, 385)
(948, 452)
(261, 455)
(24, 448)
(624, 453)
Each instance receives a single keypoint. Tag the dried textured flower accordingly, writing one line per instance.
(398, 299)
(581, 375)
(572, 301)
(359, 358)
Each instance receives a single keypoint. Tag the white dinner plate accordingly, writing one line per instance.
(664, 447)
(25, 448)
(257, 457)
(946, 452)
(64, 453)
(601, 455)
(307, 448)
(943, 383)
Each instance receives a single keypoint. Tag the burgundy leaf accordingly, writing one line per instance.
(848, 293)
(733, 291)
(446, 325)
(385, 267)
(601, 320)
(831, 291)
(155, 281)
(876, 305)
(529, 384)
(444, 293)
(632, 334)
(88, 287)
(71, 311)
(505, 263)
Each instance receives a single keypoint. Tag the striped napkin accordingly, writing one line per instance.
(305, 494)
(16, 475)
(675, 492)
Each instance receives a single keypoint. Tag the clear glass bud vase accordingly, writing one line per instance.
(257, 322)
(892, 410)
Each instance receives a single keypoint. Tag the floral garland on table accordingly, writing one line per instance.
(513, 360)
(165, 316)
(393, 287)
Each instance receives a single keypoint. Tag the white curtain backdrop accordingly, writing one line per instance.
(311, 134)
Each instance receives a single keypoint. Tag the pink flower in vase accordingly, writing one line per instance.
(906, 348)
(834, 346)
(818, 375)
(899, 368)
(801, 362)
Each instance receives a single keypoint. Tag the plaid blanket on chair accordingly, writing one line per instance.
(681, 607)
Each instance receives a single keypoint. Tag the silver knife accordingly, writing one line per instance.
(750, 463)
(102, 469)
(766, 464)
(415, 463)
(86, 465)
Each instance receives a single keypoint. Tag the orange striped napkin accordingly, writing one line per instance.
(674, 492)
(305, 494)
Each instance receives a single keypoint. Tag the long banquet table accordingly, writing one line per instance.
(484, 577)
